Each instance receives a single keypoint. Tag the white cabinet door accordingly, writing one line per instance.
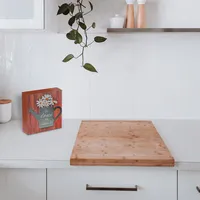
(94, 183)
(22, 184)
(21, 14)
(189, 185)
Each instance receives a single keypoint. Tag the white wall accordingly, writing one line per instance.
(140, 75)
(143, 75)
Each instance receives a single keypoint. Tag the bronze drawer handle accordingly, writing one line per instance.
(198, 189)
(88, 187)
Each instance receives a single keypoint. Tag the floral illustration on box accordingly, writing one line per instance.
(46, 101)
(45, 117)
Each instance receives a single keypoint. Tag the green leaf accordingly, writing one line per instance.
(75, 35)
(100, 39)
(71, 21)
(93, 25)
(90, 67)
(69, 36)
(63, 8)
(79, 38)
(91, 6)
(66, 12)
(79, 15)
(82, 25)
(68, 58)
(71, 7)
(72, 35)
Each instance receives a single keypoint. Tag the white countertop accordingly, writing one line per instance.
(53, 149)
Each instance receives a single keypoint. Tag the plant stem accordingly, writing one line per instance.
(82, 5)
(83, 44)
(90, 43)
(89, 28)
(79, 9)
(85, 32)
(83, 56)
(86, 36)
(78, 56)
(88, 12)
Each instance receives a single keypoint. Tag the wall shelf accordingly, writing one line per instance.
(148, 30)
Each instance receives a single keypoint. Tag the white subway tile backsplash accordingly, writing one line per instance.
(140, 75)
(37, 63)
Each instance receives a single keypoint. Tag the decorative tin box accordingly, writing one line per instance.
(41, 110)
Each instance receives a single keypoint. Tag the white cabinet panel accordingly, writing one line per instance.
(22, 14)
(8, 9)
(188, 181)
(71, 184)
(22, 184)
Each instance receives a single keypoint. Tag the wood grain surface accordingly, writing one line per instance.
(141, 16)
(120, 143)
(29, 98)
(5, 101)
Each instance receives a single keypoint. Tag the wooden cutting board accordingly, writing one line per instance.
(120, 143)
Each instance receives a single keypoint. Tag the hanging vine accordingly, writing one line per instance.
(77, 12)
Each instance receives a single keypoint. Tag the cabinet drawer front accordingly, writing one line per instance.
(189, 185)
(119, 184)
(22, 184)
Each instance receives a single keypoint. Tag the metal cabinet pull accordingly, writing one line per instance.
(198, 189)
(88, 187)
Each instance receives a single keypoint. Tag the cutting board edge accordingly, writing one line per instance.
(102, 162)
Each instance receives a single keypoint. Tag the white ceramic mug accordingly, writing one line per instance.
(117, 22)
(5, 110)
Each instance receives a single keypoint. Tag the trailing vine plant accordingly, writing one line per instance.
(77, 12)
